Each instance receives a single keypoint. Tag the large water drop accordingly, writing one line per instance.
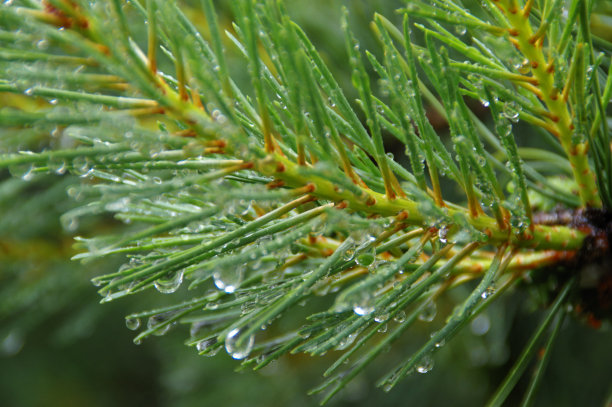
(169, 285)
(237, 346)
(425, 364)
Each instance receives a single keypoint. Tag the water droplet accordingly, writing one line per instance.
(24, 171)
(155, 321)
(238, 347)
(28, 91)
(218, 116)
(70, 223)
(42, 44)
(12, 343)
(480, 325)
(169, 285)
(57, 165)
(304, 332)
(524, 67)
(442, 232)
(205, 344)
(488, 292)
(511, 110)
(381, 317)
(97, 281)
(400, 317)
(505, 130)
(348, 255)
(318, 228)
(460, 29)
(366, 258)
(363, 303)
(347, 341)
(81, 166)
(389, 383)
(132, 323)
(382, 329)
(425, 364)
(429, 312)
(228, 280)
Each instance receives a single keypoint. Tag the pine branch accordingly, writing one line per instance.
(276, 192)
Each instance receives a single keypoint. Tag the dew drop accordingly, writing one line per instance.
(524, 67)
(132, 323)
(505, 130)
(348, 255)
(81, 166)
(154, 321)
(69, 223)
(488, 292)
(318, 229)
(57, 165)
(442, 232)
(23, 171)
(429, 312)
(363, 304)
(460, 29)
(381, 317)
(389, 383)
(511, 111)
(400, 317)
(205, 344)
(425, 364)
(97, 281)
(366, 258)
(170, 285)
(28, 91)
(12, 343)
(238, 347)
(347, 341)
(304, 332)
(218, 116)
(42, 44)
(228, 280)
(480, 325)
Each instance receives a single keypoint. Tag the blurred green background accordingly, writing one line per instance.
(60, 347)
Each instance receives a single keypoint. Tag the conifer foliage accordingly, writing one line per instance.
(247, 199)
